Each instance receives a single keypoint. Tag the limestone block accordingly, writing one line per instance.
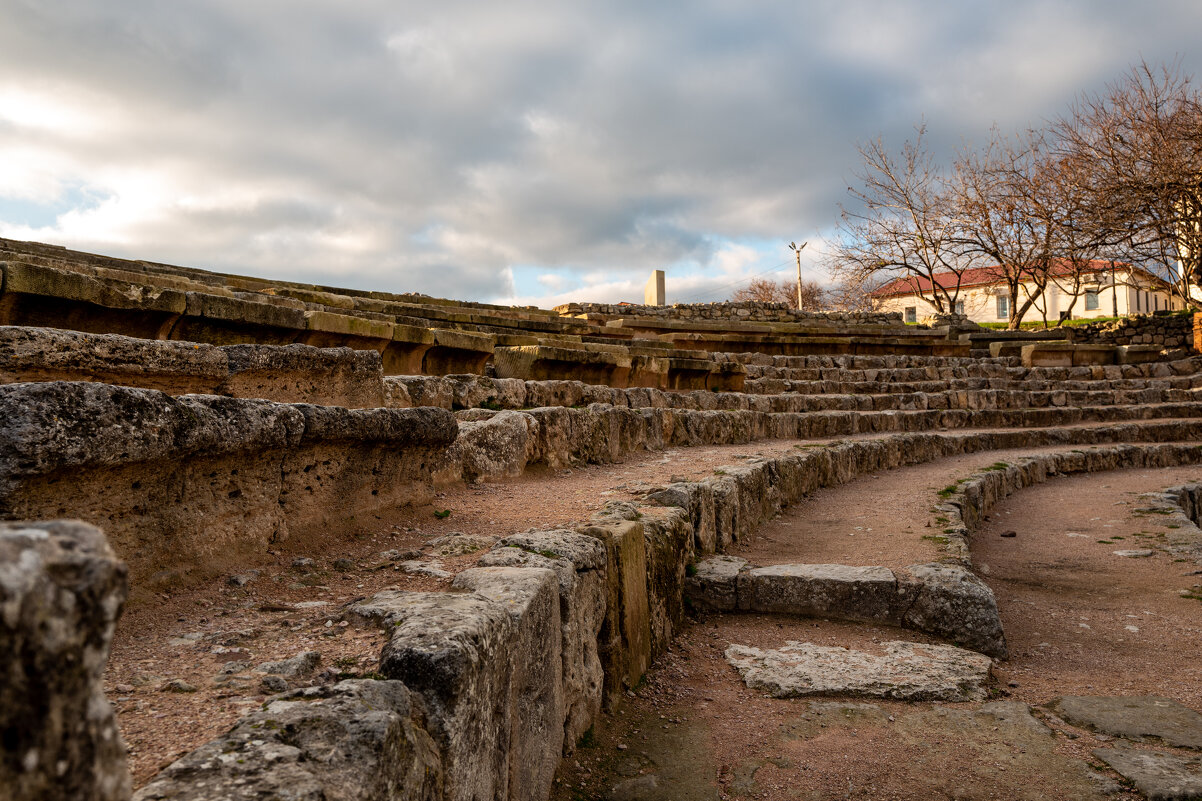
(422, 390)
(697, 498)
(189, 484)
(579, 562)
(536, 703)
(1048, 354)
(1138, 354)
(325, 329)
(547, 362)
(249, 319)
(358, 740)
(668, 536)
(839, 591)
(61, 592)
(46, 354)
(457, 352)
(472, 391)
(625, 641)
(37, 295)
(303, 374)
(455, 651)
(493, 449)
(954, 604)
(714, 583)
(405, 354)
(554, 393)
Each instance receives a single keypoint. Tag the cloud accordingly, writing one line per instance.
(452, 147)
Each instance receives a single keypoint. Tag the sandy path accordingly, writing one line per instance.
(882, 519)
(1078, 619)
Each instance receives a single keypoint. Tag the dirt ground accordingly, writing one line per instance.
(883, 519)
(1079, 620)
(195, 634)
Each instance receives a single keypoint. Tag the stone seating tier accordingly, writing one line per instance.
(53, 287)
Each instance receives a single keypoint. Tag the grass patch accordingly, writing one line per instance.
(948, 491)
(443, 514)
(935, 538)
(690, 569)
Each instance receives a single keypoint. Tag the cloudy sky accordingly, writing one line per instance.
(516, 152)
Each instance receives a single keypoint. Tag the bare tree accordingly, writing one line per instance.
(1141, 143)
(813, 295)
(1009, 217)
(903, 226)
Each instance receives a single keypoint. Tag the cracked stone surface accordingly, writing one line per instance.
(1158, 774)
(905, 671)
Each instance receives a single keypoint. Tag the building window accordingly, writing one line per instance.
(1091, 300)
(911, 314)
(1003, 307)
(1137, 300)
(959, 307)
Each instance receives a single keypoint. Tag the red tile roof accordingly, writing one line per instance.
(979, 276)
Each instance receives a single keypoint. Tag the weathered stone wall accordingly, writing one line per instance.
(61, 592)
(186, 486)
(1167, 330)
(747, 311)
(287, 374)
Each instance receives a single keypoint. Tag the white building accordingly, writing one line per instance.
(1106, 291)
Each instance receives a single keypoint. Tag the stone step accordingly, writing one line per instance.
(947, 601)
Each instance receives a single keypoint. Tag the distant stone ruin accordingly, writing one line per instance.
(165, 426)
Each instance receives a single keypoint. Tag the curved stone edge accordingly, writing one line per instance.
(945, 599)
(494, 446)
(966, 508)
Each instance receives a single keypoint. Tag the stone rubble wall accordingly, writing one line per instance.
(492, 682)
(187, 486)
(61, 593)
(748, 311)
(1166, 330)
(505, 444)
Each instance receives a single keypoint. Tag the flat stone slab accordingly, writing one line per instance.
(856, 593)
(907, 671)
(1160, 775)
(1134, 718)
(1134, 553)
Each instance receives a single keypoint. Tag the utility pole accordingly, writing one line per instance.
(797, 252)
